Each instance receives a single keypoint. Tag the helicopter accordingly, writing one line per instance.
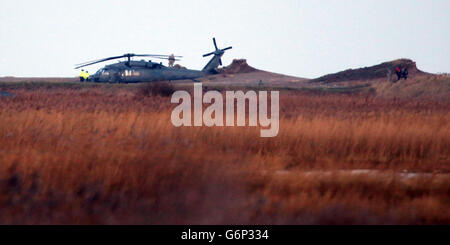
(131, 71)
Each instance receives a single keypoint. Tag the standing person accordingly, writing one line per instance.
(171, 60)
(398, 71)
(82, 75)
(405, 73)
(86, 76)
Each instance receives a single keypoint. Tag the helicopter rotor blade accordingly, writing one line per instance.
(208, 54)
(220, 61)
(87, 62)
(157, 55)
(98, 61)
(227, 48)
(92, 61)
(214, 41)
(129, 55)
(164, 58)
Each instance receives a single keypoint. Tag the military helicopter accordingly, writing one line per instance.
(131, 71)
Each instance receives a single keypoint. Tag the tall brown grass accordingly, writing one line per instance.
(107, 156)
(424, 86)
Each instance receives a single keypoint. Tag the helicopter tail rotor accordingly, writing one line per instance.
(218, 51)
(216, 60)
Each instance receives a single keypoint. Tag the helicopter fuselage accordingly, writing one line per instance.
(143, 71)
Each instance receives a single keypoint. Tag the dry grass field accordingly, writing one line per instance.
(109, 154)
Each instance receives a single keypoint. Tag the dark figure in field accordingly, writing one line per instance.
(405, 73)
(401, 73)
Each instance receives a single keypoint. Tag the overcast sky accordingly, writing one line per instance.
(300, 38)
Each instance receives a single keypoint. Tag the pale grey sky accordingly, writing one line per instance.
(294, 37)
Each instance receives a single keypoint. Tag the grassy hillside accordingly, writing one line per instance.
(370, 73)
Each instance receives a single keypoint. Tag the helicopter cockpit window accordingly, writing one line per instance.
(103, 72)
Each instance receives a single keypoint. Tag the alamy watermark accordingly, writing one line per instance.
(257, 109)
